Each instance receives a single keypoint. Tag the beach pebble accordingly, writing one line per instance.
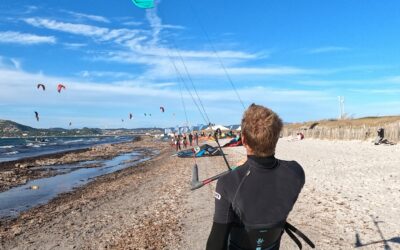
(7, 173)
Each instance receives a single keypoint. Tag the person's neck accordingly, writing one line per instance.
(258, 156)
(249, 151)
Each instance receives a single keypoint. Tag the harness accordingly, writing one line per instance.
(266, 238)
(261, 237)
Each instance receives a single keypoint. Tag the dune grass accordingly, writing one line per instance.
(370, 121)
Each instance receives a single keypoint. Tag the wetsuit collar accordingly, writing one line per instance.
(264, 162)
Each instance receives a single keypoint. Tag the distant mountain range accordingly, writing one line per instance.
(13, 129)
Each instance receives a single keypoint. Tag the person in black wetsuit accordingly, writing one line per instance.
(253, 202)
(196, 138)
(190, 139)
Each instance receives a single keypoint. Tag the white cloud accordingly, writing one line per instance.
(25, 38)
(139, 48)
(379, 81)
(280, 70)
(393, 79)
(30, 9)
(74, 45)
(171, 26)
(126, 37)
(113, 74)
(131, 93)
(132, 23)
(385, 91)
(211, 68)
(78, 29)
(155, 24)
(89, 17)
(138, 96)
(16, 63)
(327, 49)
(226, 54)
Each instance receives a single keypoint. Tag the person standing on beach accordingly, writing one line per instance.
(178, 142)
(196, 138)
(190, 139)
(184, 140)
(253, 202)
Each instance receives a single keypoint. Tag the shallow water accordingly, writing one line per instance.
(18, 148)
(21, 198)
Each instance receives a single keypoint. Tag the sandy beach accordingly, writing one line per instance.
(350, 200)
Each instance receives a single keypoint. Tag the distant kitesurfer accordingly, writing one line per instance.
(40, 85)
(37, 116)
(253, 202)
(60, 87)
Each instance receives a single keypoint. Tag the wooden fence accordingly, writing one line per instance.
(392, 132)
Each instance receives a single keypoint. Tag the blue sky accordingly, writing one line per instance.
(295, 57)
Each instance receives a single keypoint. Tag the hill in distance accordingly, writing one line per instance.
(13, 129)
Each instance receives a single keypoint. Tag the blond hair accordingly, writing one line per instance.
(261, 128)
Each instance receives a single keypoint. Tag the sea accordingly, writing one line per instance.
(18, 148)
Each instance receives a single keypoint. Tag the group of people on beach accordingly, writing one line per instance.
(183, 139)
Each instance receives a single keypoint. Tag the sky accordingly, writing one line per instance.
(295, 57)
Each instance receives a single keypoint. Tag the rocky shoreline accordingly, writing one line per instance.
(19, 172)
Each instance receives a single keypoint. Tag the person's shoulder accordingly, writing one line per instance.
(294, 167)
(234, 177)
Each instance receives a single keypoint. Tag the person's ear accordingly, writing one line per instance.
(243, 139)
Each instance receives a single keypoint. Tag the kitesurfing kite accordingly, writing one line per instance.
(70, 123)
(41, 86)
(145, 114)
(203, 150)
(162, 109)
(37, 116)
(60, 87)
(130, 116)
(144, 4)
(235, 142)
(122, 120)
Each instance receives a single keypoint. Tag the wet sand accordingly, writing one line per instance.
(351, 193)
